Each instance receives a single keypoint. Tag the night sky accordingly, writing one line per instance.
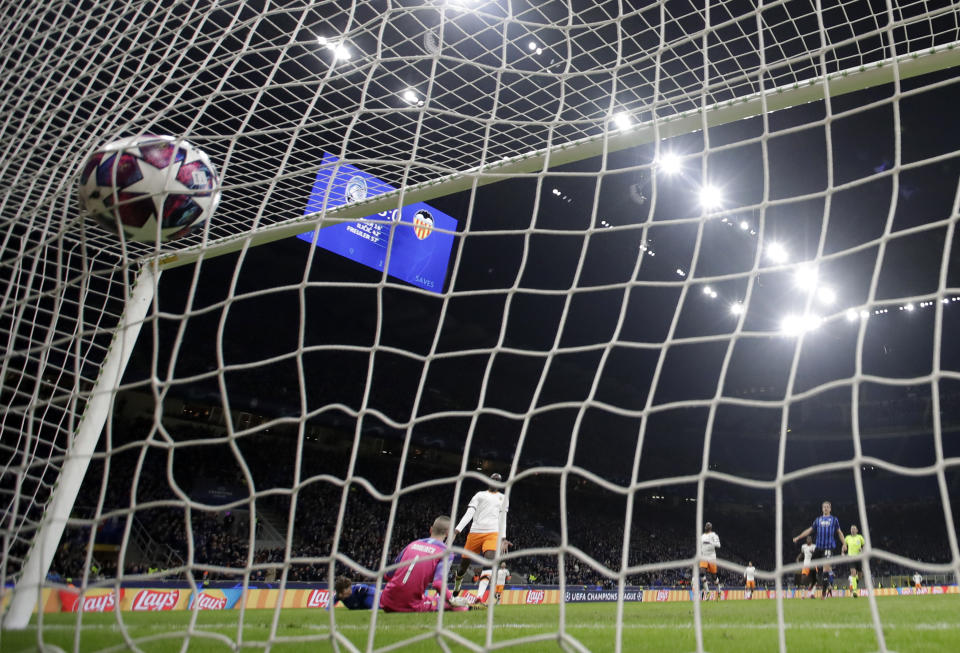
(518, 273)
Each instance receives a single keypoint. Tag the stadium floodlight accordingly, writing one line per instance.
(340, 51)
(777, 253)
(908, 308)
(669, 163)
(410, 97)
(744, 225)
(680, 272)
(805, 277)
(710, 197)
(794, 325)
(826, 295)
(852, 314)
(864, 313)
(707, 290)
(736, 308)
(532, 46)
(622, 120)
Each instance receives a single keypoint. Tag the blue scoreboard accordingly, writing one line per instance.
(419, 253)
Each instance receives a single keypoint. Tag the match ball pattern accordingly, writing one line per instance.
(134, 183)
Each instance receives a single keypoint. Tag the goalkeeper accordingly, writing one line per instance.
(488, 510)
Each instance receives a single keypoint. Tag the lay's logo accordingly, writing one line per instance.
(318, 599)
(103, 603)
(155, 600)
(208, 602)
(663, 595)
(97, 601)
(536, 597)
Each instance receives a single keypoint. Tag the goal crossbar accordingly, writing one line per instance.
(812, 90)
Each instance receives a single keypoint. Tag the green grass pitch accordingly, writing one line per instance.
(911, 624)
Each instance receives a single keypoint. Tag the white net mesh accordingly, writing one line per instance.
(627, 343)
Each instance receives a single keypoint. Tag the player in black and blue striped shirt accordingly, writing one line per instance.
(825, 527)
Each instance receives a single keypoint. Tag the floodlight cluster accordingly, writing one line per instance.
(339, 49)
(806, 277)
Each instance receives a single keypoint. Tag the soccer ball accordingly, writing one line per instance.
(134, 183)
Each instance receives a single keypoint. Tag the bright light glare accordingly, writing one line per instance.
(744, 225)
(622, 120)
(710, 197)
(805, 277)
(410, 96)
(908, 307)
(777, 253)
(852, 315)
(707, 290)
(680, 272)
(826, 295)
(669, 163)
(794, 325)
(532, 46)
(322, 40)
(341, 52)
(736, 308)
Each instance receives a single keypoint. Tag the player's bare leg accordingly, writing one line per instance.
(483, 589)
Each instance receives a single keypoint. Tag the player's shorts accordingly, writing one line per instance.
(805, 572)
(499, 589)
(709, 565)
(751, 584)
(822, 553)
(481, 542)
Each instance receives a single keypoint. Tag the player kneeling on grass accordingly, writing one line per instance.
(420, 568)
(355, 596)
(488, 510)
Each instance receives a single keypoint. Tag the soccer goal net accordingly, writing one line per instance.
(656, 264)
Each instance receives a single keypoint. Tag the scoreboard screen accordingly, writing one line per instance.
(419, 253)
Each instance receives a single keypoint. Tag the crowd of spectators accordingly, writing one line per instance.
(213, 538)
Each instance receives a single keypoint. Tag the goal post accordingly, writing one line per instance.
(79, 451)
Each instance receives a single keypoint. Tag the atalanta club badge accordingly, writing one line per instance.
(356, 189)
(422, 224)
